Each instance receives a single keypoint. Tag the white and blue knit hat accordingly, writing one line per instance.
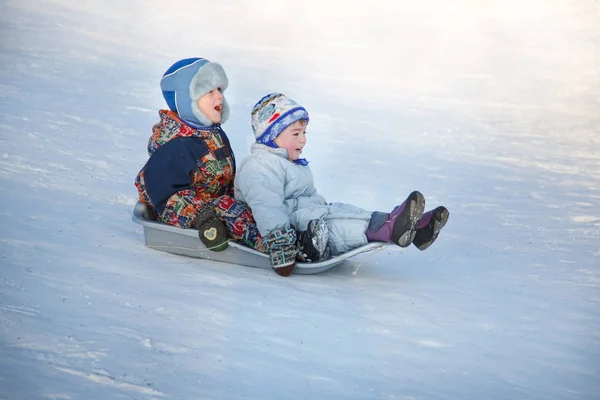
(189, 79)
(272, 114)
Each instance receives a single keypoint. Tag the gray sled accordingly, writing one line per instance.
(185, 242)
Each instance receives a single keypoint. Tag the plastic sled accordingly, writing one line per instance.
(185, 242)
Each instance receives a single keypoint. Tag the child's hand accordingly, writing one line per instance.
(281, 246)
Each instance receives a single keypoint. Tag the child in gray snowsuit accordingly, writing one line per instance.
(278, 186)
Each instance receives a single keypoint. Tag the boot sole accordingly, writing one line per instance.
(415, 207)
(438, 224)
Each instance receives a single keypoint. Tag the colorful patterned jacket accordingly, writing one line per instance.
(196, 164)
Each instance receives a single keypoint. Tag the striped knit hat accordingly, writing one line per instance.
(272, 114)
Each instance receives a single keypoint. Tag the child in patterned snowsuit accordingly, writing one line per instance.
(278, 186)
(188, 179)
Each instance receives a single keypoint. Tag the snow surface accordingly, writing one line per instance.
(490, 107)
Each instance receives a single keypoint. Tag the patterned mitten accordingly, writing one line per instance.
(211, 230)
(281, 246)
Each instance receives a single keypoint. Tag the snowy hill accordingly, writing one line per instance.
(490, 108)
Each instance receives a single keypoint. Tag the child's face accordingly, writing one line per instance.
(293, 139)
(211, 104)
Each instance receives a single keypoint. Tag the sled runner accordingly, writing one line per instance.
(185, 242)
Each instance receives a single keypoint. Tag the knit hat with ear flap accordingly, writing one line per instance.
(189, 79)
(272, 114)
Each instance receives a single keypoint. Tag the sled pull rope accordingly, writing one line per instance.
(367, 259)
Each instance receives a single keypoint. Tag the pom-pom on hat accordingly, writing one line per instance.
(189, 79)
(272, 114)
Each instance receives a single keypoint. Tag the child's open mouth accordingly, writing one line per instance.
(218, 108)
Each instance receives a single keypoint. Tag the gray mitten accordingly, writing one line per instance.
(281, 246)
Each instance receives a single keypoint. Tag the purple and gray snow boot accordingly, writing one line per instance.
(397, 227)
(429, 226)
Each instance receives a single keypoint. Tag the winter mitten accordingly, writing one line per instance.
(211, 230)
(397, 227)
(281, 246)
(429, 227)
(313, 244)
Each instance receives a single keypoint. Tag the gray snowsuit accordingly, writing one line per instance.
(282, 194)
